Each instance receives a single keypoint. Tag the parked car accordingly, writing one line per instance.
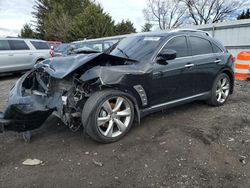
(64, 49)
(18, 54)
(55, 44)
(106, 93)
(97, 45)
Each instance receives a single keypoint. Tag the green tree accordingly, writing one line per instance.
(51, 14)
(147, 27)
(93, 22)
(244, 15)
(57, 25)
(69, 20)
(125, 27)
(27, 32)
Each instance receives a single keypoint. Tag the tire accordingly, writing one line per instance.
(109, 115)
(220, 91)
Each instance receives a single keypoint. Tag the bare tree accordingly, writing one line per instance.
(166, 14)
(212, 11)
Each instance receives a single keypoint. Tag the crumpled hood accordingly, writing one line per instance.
(60, 67)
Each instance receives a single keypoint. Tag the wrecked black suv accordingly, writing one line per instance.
(106, 92)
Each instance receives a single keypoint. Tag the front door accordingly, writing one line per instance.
(175, 80)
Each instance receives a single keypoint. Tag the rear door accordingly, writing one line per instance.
(40, 50)
(206, 63)
(175, 80)
(5, 56)
(20, 54)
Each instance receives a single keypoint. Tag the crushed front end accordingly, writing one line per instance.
(60, 86)
(36, 95)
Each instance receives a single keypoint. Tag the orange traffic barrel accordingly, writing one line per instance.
(242, 66)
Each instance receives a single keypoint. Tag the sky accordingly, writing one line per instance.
(15, 13)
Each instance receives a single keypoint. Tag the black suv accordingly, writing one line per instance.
(105, 92)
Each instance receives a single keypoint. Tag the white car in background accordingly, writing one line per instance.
(17, 54)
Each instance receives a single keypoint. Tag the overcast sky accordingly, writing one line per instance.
(15, 13)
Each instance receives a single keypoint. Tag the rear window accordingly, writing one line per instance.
(4, 45)
(18, 45)
(40, 45)
(200, 46)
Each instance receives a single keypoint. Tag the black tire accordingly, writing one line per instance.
(91, 112)
(214, 99)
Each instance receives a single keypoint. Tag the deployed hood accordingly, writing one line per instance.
(60, 67)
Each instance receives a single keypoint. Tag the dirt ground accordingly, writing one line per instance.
(194, 145)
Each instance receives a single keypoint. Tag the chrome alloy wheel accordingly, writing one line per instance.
(223, 89)
(114, 117)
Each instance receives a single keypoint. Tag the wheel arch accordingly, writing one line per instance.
(40, 59)
(230, 74)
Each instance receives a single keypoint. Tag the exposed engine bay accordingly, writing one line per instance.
(70, 92)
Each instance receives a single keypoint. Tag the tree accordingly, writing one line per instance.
(244, 15)
(124, 27)
(212, 11)
(68, 20)
(93, 22)
(166, 14)
(147, 27)
(56, 16)
(57, 25)
(27, 32)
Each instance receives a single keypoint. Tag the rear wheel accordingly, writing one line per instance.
(220, 90)
(112, 116)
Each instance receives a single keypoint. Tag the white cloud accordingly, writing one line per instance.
(15, 13)
(125, 9)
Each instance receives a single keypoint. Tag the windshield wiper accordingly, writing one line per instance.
(123, 52)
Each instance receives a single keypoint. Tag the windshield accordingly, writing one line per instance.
(139, 48)
(91, 46)
(62, 48)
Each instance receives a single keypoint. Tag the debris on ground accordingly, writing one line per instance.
(231, 140)
(97, 163)
(32, 162)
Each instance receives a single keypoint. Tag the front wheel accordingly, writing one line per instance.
(111, 117)
(221, 90)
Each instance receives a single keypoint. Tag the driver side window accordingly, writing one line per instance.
(178, 44)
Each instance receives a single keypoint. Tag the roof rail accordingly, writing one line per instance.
(192, 30)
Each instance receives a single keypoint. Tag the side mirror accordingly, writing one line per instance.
(166, 55)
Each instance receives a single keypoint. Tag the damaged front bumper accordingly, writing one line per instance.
(24, 113)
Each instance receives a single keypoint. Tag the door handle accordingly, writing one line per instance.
(217, 61)
(30, 54)
(11, 55)
(189, 65)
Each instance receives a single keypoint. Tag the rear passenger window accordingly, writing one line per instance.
(200, 46)
(4, 45)
(216, 48)
(18, 45)
(179, 44)
(40, 45)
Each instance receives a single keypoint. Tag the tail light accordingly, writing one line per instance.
(232, 59)
(52, 53)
